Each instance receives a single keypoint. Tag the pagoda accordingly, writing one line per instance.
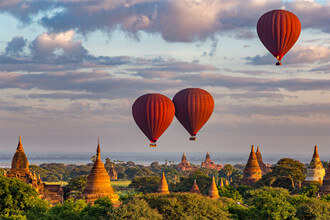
(213, 192)
(315, 171)
(112, 173)
(195, 188)
(208, 163)
(184, 165)
(98, 182)
(252, 171)
(325, 188)
(163, 187)
(20, 169)
(264, 168)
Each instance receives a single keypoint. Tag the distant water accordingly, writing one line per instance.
(146, 158)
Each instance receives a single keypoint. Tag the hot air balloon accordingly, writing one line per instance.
(153, 113)
(193, 107)
(278, 30)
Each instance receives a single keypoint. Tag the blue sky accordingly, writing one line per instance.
(70, 71)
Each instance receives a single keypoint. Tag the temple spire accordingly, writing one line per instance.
(98, 149)
(195, 188)
(20, 146)
(163, 187)
(213, 192)
(252, 171)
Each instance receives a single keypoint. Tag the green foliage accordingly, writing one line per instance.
(314, 209)
(146, 184)
(187, 206)
(136, 208)
(240, 212)
(271, 203)
(76, 184)
(69, 210)
(17, 198)
(102, 208)
(326, 198)
(230, 192)
(311, 189)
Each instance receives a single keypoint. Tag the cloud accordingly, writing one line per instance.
(16, 46)
(298, 54)
(254, 83)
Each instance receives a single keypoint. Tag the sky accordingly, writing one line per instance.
(70, 71)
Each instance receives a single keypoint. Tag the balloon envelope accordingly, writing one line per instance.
(278, 30)
(153, 113)
(193, 108)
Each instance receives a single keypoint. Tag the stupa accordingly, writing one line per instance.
(20, 169)
(208, 163)
(252, 171)
(163, 187)
(325, 188)
(184, 165)
(221, 183)
(315, 171)
(195, 188)
(213, 192)
(112, 173)
(98, 182)
(264, 169)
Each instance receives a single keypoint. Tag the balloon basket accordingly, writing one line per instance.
(192, 138)
(278, 63)
(153, 145)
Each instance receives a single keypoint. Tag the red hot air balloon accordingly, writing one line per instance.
(278, 30)
(153, 113)
(193, 107)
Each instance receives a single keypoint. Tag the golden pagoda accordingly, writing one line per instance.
(20, 163)
(98, 182)
(221, 182)
(325, 188)
(20, 169)
(252, 171)
(213, 192)
(195, 188)
(112, 173)
(163, 187)
(315, 171)
(226, 182)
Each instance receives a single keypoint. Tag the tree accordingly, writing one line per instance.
(17, 198)
(271, 203)
(75, 185)
(145, 184)
(230, 192)
(286, 170)
(227, 170)
(69, 210)
(102, 209)
(313, 208)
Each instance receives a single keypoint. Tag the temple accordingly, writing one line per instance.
(325, 188)
(98, 182)
(213, 192)
(315, 171)
(195, 188)
(184, 165)
(252, 171)
(20, 169)
(163, 187)
(208, 163)
(112, 173)
(264, 168)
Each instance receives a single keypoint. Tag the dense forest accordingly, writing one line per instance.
(272, 197)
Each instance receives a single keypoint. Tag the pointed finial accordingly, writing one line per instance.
(258, 149)
(252, 148)
(19, 146)
(98, 149)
